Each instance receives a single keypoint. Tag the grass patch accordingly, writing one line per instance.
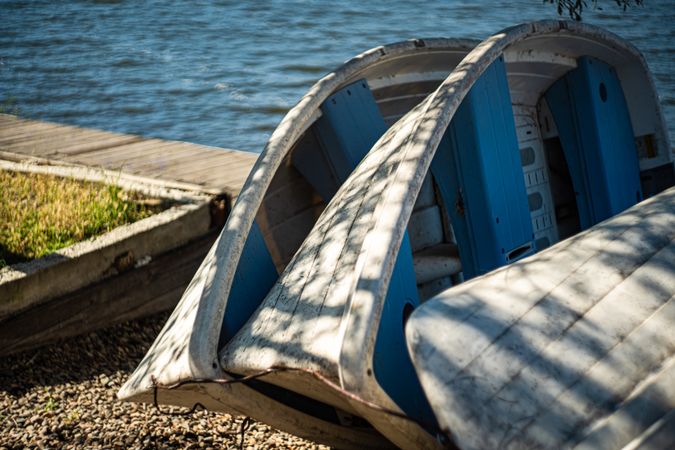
(40, 213)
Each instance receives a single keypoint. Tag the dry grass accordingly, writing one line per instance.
(42, 213)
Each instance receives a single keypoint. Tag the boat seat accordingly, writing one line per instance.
(428, 239)
(436, 262)
(595, 131)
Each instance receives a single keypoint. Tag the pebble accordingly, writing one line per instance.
(63, 396)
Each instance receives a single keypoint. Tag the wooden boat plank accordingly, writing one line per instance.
(435, 287)
(647, 416)
(425, 228)
(398, 107)
(421, 88)
(284, 238)
(285, 200)
(609, 382)
(436, 262)
(427, 196)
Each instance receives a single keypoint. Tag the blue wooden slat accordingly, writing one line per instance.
(591, 114)
(314, 165)
(392, 365)
(349, 126)
(477, 169)
(352, 122)
(253, 279)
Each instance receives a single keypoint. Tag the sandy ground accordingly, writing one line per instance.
(63, 396)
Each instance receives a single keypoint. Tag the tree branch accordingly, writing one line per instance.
(575, 8)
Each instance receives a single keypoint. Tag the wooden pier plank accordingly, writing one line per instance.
(54, 139)
(215, 169)
(141, 149)
(25, 132)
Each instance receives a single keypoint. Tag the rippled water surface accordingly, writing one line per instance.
(224, 73)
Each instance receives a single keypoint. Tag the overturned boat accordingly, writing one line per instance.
(542, 132)
(573, 347)
(311, 153)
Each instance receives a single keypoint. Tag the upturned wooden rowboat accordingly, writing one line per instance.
(543, 131)
(309, 155)
(573, 347)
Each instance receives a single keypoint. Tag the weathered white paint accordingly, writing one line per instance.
(436, 262)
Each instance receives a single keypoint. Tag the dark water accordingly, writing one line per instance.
(223, 73)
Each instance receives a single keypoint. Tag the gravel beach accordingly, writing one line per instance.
(63, 396)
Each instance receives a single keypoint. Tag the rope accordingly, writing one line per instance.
(445, 439)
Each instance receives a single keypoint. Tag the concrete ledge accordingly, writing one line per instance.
(26, 285)
(141, 291)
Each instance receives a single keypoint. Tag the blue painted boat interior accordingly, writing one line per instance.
(253, 279)
(392, 366)
(478, 172)
(349, 126)
(595, 132)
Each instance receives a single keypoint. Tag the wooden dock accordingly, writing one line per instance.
(216, 170)
(145, 289)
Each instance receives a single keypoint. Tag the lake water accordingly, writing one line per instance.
(223, 73)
